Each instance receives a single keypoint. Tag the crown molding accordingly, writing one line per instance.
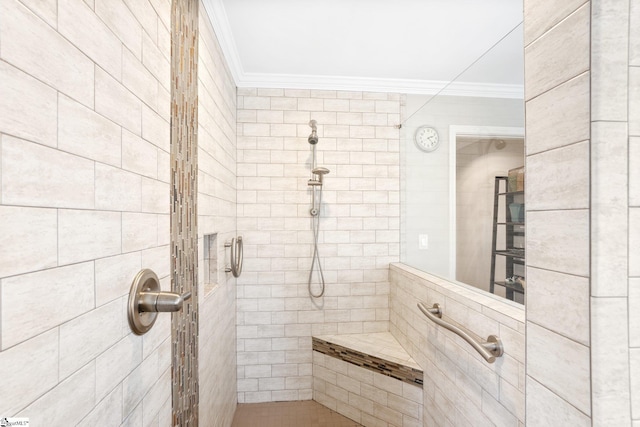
(220, 22)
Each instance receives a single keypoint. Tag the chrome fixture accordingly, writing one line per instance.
(489, 349)
(146, 300)
(236, 256)
(316, 182)
(313, 138)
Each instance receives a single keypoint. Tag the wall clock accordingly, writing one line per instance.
(427, 139)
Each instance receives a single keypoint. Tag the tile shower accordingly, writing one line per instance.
(84, 218)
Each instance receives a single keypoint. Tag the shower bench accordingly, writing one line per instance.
(369, 378)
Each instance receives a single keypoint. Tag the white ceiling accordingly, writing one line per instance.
(413, 46)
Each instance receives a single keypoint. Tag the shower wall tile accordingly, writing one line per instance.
(566, 46)
(117, 16)
(29, 108)
(36, 48)
(116, 102)
(359, 227)
(545, 14)
(69, 175)
(68, 180)
(559, 117)
(609, 60)
(32, 232)
(546, 408)
(83, 28)
(217, 197)
(458, 382)
(69, 292)
(32, 368)
(77, 124)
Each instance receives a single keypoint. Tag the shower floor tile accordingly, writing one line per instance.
(306, 413)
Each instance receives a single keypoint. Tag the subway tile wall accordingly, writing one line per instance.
(582, 301)
(460, 387)
(84, 138)
(359, 231)
(216, 214)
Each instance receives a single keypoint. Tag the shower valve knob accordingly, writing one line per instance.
(162, 302)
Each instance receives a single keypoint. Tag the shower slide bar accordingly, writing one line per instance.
(489, 349)
(236, 256)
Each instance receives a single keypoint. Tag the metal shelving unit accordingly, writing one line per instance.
(513, 231)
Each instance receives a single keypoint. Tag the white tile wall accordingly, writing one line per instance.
(84, 198)
(216, 214)
(460, 388)
(359, 228)
(585, 310)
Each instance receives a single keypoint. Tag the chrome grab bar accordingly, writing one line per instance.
(237, 256)
(489, 349)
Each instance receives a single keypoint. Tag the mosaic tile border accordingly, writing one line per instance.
(184, 223)
(373, 363)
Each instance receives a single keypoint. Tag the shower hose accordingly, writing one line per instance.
(315, 225)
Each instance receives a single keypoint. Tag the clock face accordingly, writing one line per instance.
(427, 138)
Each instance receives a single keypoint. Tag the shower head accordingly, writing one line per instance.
(313, 138)
(320, 171)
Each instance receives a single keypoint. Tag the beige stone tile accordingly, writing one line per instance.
(146, 15)
(83, 132)
(634, 242)
(138, 383)
(88, 235)
(541, 15)
(82, 27)
(559, 240)
(86, 336)
(31, 368)
(559, 117)
(139, 231)
(566, 46)
(31, 240)
(45, 9)
(559, 364)
(157, 259)
(634, 367)
(559, 302)
(155, 196)
(36, 175)
(609, 361)
(107, 412)
(158, 396)
(69, 292)
(139, 156)
(558, 179)
(117, 16)
(634, 33)
(116, 189)
(634, 171)
(115, 102)
(138, 79)
(609, 59)
(155, 61)
(76, 395)
(634, 312)
(609, 229)
(155, 129)
(117, 362)
(36, 48)
(634, 101)
(114, 276)
(545, 408)
(28, 108)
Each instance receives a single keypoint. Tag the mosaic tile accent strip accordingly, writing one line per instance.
(184, 224)
(373, 363)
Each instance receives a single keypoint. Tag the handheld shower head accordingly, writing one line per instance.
(313, 138)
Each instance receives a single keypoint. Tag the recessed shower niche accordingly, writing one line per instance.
(210, 261)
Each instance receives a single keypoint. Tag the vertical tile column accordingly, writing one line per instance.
(184, 237)
(557, 90)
